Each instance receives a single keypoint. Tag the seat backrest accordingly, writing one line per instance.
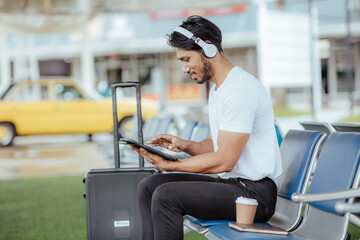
(163, 126)
(337, 166)
(346, 127)
(299, 150)
(297, 154)
(318, 126)
(153, 126)
(201, 132)
(187, 131)
(150, 127)
(336, 169)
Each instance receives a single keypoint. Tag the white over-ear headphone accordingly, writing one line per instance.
(210, 50)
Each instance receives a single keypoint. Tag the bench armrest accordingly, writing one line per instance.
(319, 197)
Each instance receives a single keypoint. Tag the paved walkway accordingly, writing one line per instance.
(38, 156)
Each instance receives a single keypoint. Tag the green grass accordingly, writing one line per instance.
(285, 111)
(354, 231)
(194, 236)
(44, 208)
(53, 208)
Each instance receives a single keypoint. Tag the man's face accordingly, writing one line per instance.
(195, 64)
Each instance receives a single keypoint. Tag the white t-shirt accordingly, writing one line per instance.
(241, 104)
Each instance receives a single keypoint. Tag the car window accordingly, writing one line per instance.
(30, 93)
(67, 92)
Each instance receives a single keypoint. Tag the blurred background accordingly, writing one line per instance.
(303, 51)
(58, 59)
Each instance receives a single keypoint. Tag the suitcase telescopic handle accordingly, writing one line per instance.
(116, 122)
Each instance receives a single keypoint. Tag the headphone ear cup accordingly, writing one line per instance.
(210, 50)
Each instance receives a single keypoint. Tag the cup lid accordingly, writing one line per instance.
(245, 200)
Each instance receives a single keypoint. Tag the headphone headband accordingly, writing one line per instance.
(210, 50)
(184, 32)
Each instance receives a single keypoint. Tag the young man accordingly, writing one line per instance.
(242, 147)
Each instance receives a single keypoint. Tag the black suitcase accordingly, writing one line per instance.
(111, 194)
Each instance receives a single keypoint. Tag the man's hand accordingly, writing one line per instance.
(170, 142)
(154, 159)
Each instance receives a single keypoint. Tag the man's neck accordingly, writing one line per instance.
(222, 67)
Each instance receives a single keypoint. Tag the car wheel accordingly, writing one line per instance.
(125, 126)
(7, 134)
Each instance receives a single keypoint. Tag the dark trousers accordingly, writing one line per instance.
(165, 198)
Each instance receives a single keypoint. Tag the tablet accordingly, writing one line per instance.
(147, 148)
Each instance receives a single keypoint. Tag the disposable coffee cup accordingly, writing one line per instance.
(245, 210)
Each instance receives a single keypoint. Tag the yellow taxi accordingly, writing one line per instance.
(61, 106)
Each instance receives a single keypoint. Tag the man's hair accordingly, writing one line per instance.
(201, 28)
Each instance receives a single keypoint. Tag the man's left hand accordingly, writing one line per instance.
(154, 159)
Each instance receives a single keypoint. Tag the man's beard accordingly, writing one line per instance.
(206, 70)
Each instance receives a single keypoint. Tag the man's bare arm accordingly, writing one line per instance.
(196, 148)
(230, 144)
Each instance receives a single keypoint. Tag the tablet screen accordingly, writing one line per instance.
(148, 148)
